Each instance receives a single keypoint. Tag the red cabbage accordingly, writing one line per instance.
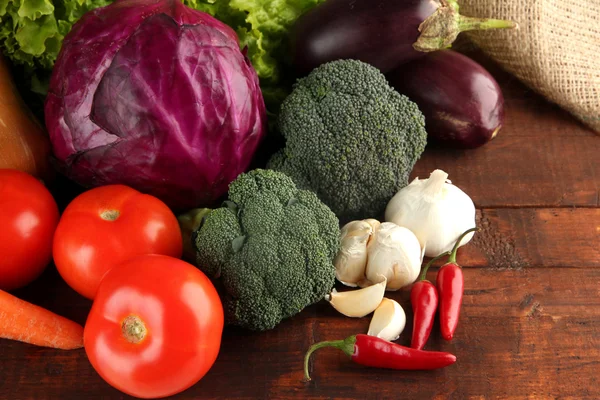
(157, 96)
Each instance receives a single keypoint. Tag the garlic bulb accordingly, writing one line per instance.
(436, 211)
(351, 259)
(358, 303)
(395, 253)
(388, 320)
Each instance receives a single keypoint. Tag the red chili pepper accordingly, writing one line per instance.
(450, 285)
(375, 352)
(424, 301)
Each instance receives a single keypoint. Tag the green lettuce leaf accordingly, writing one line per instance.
(32, 35)
(32, 31)
(34, 9)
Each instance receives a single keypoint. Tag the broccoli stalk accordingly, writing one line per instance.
(271, 247)
(350, 138)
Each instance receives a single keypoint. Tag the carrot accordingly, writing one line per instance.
(28, 323)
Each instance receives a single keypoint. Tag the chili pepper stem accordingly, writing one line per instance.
(423, 275)
(452, 258)
(346, 345)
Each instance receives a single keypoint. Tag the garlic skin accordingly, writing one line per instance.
(395, 253)
(388, 320)
(351, 259)
(436, 211)
(358, 303)
(373, 222)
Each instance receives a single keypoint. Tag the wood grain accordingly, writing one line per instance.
(530, 333)
(518, 171)
(547, 237)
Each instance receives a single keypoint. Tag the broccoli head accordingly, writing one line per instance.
(350, 138)
(271, 246)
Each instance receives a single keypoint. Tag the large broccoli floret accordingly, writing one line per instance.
(272, 246)
(350, 138)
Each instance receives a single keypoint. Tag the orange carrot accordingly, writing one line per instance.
(28, 323)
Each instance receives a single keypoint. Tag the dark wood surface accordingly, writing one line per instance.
(530, 325)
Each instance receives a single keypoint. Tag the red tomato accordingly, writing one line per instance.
(155, 326)
(28, 218)
(108, 225)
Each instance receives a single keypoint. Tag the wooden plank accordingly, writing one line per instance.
(529, 115)
(523, 333)
(530, 333)
(523, 172)
(521, 238)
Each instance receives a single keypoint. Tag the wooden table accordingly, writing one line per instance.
(530, 325)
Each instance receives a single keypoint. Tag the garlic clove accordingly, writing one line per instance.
(351, 259)
(395, 253)
(388, 320)
(375, 224)
(357, 303)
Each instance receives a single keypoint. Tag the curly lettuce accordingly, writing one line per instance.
(32, 31)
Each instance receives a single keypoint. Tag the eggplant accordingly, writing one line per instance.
(383, 33)
(462, 103)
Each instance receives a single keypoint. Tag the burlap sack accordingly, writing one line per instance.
(555, 51)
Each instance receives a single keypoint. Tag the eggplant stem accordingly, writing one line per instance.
(452, 3)
(472, 24)
(441, 28)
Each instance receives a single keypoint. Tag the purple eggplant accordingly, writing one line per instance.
(462, 103)
(383, 33)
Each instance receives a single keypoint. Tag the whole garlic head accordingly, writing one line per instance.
(395, 253)
(435, 210)
(351, 259)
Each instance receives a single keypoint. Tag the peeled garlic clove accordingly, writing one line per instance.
(388, 321)
(395, 253)
(351, 259)
(357, 303)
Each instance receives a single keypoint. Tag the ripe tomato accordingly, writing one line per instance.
(155, 326)
(108, 225)
(28, 215)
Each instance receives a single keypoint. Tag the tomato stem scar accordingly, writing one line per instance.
(110, 215)
(134, 329)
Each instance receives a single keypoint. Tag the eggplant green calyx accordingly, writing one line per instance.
(442, 27)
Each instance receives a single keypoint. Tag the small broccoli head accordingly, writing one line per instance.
(272, 247)
(350, 138)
